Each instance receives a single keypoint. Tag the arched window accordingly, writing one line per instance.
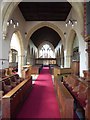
(46, 52)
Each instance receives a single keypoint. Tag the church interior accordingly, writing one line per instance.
(45, 59)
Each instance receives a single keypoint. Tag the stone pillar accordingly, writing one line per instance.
(20, 64)
(4, 54)
(4, 62)
(67, 61)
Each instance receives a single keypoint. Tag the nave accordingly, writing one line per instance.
(41, 102)
(47, 96)
(39, 34)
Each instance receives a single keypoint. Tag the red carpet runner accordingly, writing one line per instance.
(42, 102)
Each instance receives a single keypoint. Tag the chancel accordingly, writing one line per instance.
(45, 60)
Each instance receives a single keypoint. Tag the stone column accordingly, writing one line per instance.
(4, 61)
(20, 64)
(67, 61)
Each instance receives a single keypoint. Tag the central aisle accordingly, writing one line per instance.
(41, 102)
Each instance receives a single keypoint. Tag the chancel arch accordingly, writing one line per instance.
(9, 7)
(45, 24)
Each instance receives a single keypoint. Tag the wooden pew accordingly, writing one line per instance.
(35, 69)
(56, 71)
(60, 71)
(66, 101)
(2, 73)
(1, 94)
(9, 82)
(26, 71)
(87, 108)
(14, 99)
(80, 93)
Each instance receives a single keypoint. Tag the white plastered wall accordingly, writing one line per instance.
(57, 53)
(20, 35)
(78, 30)
(32, 53)
(59, 27)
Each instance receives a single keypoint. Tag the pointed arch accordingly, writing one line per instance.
(70, 41)
(9, 7)
(46, 42)
(45, 24)
(17, 38)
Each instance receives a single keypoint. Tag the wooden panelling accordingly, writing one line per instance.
(26, 72)
(58, 70)
(14, 99)
(65, 70)
(73, 70)
(80, 90)
(75, 67)
(35, 70)
(66, 101)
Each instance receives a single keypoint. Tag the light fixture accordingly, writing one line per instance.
(65, 34)
(25, 34)
(4, 36)
(71, 22)
(13, 22)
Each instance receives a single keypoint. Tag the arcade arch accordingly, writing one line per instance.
(17, 45)
(78, 7)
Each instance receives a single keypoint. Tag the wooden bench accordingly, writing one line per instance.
(79, 89)
(26, 71)
(60, 71)
(12, 101)
(35, 69)
(66, 101)
(56, 71)
(9, 82)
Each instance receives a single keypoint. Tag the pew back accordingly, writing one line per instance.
(14, 99)
(66, 100)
